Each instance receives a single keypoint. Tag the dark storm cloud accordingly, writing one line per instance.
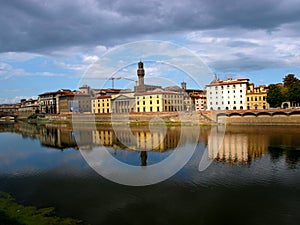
(33, 25)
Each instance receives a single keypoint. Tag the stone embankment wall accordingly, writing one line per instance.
(175, 117)
(260, 119)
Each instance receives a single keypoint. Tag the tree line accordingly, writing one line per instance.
(289, 91)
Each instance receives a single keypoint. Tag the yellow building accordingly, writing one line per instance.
(257, 97)
(101, 104)
(158, 101)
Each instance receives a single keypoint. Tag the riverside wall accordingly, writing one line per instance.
(260, 117)
(278, 117)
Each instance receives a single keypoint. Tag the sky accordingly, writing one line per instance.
(50, 45)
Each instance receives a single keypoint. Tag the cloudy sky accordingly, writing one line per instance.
(48, 45)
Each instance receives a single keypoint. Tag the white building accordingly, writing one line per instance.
(227, 94)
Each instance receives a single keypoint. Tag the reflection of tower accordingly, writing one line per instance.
(143, 158)
(141, 73)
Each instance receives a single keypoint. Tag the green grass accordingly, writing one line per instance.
(12, 213)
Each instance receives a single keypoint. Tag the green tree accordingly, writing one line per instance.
(275, 95)
(292, 84)
(289, 80)
(294, 93)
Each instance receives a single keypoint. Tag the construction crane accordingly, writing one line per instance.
(130, 80)
(113, 81)
(119, 78)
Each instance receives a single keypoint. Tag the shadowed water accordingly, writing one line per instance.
(254, 177)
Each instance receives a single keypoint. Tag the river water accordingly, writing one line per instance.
(251, 174)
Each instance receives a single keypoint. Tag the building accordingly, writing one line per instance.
(72, 102)
(49, 101)
(9, 109)
(123, 102)
(142, 87)
(101, 104)
(227, 94)
(159, 100)
(200, 102)
(257, 97)
(28, 107)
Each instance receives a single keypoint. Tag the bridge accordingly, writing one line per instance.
(270, 113)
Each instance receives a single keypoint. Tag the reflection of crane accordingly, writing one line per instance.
(119, 78)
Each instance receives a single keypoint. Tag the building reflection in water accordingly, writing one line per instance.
(240, 144)
(137, 139)
(236, 145)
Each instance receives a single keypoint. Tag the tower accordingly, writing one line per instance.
(141, 73)
(183, 85)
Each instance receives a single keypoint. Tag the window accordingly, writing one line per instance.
(234, 102)
(228, 92)
(151, 103)
(150, 96)
(157, 109)
(144, 109)
(151, 109)
(157, 101)
(228, 102)
(143, 102)
(241, 102)
(138, 102)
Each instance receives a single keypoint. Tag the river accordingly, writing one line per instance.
(248, 175)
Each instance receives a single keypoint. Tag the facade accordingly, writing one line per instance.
(74, 103)
(227, 94)
(9, 109)
(124, 102)
(257, 97)
(200, 103)
(28, 107)
(159, 101)
(49, 101)
(101, 104)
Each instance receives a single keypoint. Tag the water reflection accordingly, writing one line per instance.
(240, 144)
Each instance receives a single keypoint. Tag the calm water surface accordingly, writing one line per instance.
(254, 177)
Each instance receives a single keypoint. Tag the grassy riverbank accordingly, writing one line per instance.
(12, 213)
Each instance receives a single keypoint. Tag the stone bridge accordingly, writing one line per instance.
(256, 116)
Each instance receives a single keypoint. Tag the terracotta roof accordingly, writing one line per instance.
(103, 96)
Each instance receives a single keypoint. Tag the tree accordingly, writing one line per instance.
(289, 80)
(292, 84)
(293, 93)
(275, 95)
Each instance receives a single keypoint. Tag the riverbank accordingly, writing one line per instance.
(240, 117)
(13, 213)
